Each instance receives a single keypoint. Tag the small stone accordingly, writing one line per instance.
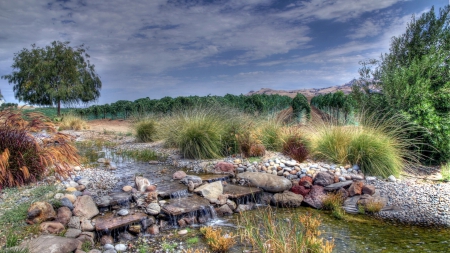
(101, 160)
(127, 188)
(182, 232)
(120, 247)
(71, 197)
(108, 246)
(107, 241)
(178, 175)
(153, 209)
(71, 189)
(59, 196)
(391, 178)
(123, 212)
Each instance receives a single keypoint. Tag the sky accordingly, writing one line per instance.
(158, 48)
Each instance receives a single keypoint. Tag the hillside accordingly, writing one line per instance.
(309, 93)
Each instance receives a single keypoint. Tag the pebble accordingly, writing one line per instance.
(120, 247)
(182, 232)
(123, 212)
(391, 178)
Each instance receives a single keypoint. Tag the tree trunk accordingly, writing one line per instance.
(59, 108)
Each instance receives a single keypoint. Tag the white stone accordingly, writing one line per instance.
(391, 178)
(120, 247)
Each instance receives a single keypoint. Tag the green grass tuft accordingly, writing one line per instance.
(145, 130)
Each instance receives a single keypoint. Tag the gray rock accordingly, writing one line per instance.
(153, 209)
(267, 182)
(110, 251)
(72, 233)
(66, 202)
(120, 247)
(337, 186)
(323, 179)
(391, 178)
(210, 191)
(51, 244)
(85, 207)
(108, 246)
(191, 178)
(123, 212)
(287, 199)
(315, 197)
(74, 222)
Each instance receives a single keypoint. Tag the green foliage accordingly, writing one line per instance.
(339, 106)
(53, 75)
(145, 130)
(445, 172)
(301, 107)
(12, 239)
(414, 80)
(86, 246)
(13, 250)
(8, 105)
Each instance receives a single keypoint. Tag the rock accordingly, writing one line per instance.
(109, 246)
(51, 227)
(94, 251)
(150, 188)
(368, 189)
(337, 186)
(67, 203)
(125, 237)
(80, 188)
(150, 220)
(231, 204)
(71, 189)
(64, 215)
(210, 191)
(86, 236)
(306, 181)
(51, 244)
(110, 250)
(357, 177)
(224, 167)
(237, 161)
(267, 182)
(120, 247)
(85, 207)
(123, 212)
(72, 233)
(224, 210)
(355, 188)
(110, 222)
(135, 229)
(182, 232)
(59, 196)
(298, 189)
(153, 209)
(343, 192)
(74, 222)
(287, 199)
(315, 197)
(127, 188)
(86, 225)
(323, 178)
(70, 197)
(179, 175)
(105, 240)
(40, 212)
(196, 181)
(153, 229)
(243, 208)
(391, 178)
(371, 179)
(141, 183)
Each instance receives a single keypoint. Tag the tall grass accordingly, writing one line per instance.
(72, 122)
(270, 131)
(145, 130)
(378, 144)
(292, 233)
(202, 133)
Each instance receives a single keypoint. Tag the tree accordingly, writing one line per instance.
(414, 80)
(54, 75)
(300, 105)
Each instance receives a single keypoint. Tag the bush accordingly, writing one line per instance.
(269, 132)
(72, 122)
(145, 130)
(296, 147)
(217, 240)
(25, 157)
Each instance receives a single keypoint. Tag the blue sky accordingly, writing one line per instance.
(157, 48)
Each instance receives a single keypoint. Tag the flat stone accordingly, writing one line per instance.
(210, 191)
(337, 186)
(185, 205)
(169, 189)
(214, 177)
(237, 191)
(117, 198)
(109, 221)
(270, 183)
(51, 244)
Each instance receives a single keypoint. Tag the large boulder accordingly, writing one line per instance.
(85, 207)
(141, 183)
(323, 178)
(40, 212)
(268, 182)
(224, 167)
(287, 199)
(315, 197)
(210, 191)
(51, 244)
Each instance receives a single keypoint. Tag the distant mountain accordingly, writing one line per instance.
(309, 93)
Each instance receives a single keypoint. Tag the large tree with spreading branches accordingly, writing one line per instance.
(54, 75)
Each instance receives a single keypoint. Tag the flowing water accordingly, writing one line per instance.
(356, 233)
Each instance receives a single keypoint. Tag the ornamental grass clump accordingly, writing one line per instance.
(30, 148)
(72, 122)
(295, 145)
(217, 240)
(378, 145)
(145, 130)
(292, 233)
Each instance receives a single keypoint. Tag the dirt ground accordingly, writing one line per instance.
(118, 126)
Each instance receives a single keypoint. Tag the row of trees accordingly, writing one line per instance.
(338, 105)
(123, 109)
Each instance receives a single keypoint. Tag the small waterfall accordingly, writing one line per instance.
(179, 194)
(254, 198)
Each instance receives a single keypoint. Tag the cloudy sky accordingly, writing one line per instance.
(157, 48)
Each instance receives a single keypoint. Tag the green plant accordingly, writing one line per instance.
(268, 133)
(332, 201)
(167, 246)
(445, 172)
(13, 250)
(301, 107)
(191, 241)
(216, 240)
(145, 130)
(361, 209)
(293, 233)
(25, 158)
(373, 206)
(86, 246)
(12, 239)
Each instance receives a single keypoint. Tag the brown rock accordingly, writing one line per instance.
(179, 175)
(106, 239)
(224, 210)
(222, 199)
(80, 188)
(135, 229)
(355, 188)
(315, 197)
(71, 189)
(306, 181)
(85, 207)
(343, 192)
(127, 188)
(150, 188)
(110, 222)
(51, 243)
(287, 199)
(86, 225)
(224, 167)
(64, 215)
(40, 212)
(70, 197)
(153, 229)
(190, 220)
(323, 178)
(86, 236)
(51, 227)
(151, 196)
(182, 223)
(298, 189)
(368, 189)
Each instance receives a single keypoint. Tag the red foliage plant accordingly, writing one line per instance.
(30, 147)
(296, 148)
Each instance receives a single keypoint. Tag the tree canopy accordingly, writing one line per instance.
(414, 80)
(54, 75)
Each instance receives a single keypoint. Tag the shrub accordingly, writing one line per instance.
(292, 234)
(373, 206)
(30, 147)
(217, 240)
(72, 122)
(331, 142)
(296, 148)
(145, 130)
(268, 133)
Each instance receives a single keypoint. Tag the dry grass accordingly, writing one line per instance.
(218, 241)
(373, 206)
(72, 122)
